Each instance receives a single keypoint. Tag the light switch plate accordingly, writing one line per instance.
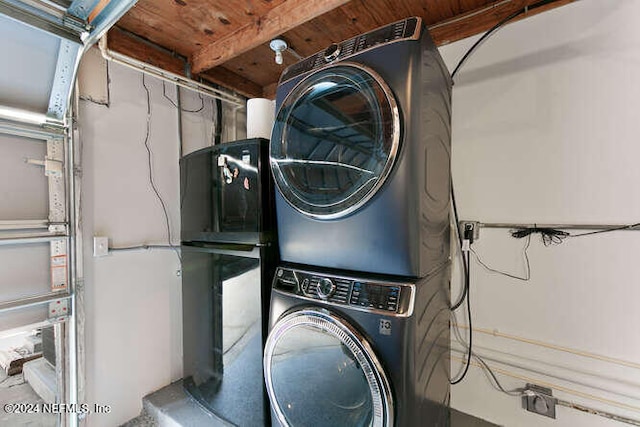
(100, 246)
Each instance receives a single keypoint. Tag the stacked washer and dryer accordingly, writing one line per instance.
(359, 315)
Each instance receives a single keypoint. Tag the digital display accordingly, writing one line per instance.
(374, 294)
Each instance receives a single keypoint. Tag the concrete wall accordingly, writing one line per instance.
(133, 298)
(545, 130)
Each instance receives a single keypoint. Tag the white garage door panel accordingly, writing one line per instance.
(23, 317)
(23, 188)
(26, 79)
(24, 271)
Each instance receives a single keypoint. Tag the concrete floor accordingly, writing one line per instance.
(171, 406)
(14, 390)
(459, 419)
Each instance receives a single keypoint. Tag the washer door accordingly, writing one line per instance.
(321, 372)
(334, 140)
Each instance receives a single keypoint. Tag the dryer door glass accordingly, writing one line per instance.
(320, 371)
(334, 141)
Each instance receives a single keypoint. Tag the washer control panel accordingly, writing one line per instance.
(362, 294)
(407, 29)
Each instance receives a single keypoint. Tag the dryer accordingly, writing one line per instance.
(358, 351)
(360, 153)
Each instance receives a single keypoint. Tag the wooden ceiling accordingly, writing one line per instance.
(226, 42)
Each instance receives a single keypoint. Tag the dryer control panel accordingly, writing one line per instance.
(407, 29)
(361, 294)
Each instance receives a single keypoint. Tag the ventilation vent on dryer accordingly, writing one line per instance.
(313, 287)
(341, 294)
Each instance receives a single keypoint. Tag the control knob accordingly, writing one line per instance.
(332, 52)
(326, 288)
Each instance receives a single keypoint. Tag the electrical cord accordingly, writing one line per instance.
(164, 93)
(465, 266)
(549, 236)
(150, 166)
(466, 56)
(527, 275)
(470, 345)
(216, 117)
(495, 28)
(491, 376)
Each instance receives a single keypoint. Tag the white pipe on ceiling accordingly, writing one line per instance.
(168, 76)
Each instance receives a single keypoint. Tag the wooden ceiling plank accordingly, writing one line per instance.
(278, 20)
(269, 91)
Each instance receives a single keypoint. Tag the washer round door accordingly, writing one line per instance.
(321, 372)
(334, 140)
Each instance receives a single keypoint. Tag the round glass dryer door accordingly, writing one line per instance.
(334, 140)
(320, 371)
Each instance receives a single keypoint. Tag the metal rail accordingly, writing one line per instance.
(24, 224)
(621, 227)
(42, 132)
(41, 16)
(25, 238)
(33, 301)
(515, 226)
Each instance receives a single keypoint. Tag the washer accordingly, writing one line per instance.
(346, 351)
(360, 152)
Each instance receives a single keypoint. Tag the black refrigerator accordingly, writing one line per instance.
(229, 253)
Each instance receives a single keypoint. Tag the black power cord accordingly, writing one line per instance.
(549, 236)
(465, 266)
(466, 258)
(175, 104)
(466, 56)
(150, 167)
(496, 27)
(470, 346)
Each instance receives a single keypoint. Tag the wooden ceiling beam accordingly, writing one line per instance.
(127, 44)
(276, 21)
(468, 24)
(123, 42)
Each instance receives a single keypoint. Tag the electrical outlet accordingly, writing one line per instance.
(100, 246)
(472, 226)
(539, 400)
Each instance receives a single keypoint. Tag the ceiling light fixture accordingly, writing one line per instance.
(278, 46)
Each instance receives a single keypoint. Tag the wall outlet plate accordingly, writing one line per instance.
(539, 401)
(474, 226)
(100, 246)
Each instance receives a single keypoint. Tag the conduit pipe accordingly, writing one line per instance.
(168, 76)
(496, 333)
(626, 391)
(567, 390)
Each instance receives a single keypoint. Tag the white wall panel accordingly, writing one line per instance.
(24, 189)
(545, 130)
(25, 80)
(25, 271)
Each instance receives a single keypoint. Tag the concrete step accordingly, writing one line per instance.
(171, 406)
(41, 376)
